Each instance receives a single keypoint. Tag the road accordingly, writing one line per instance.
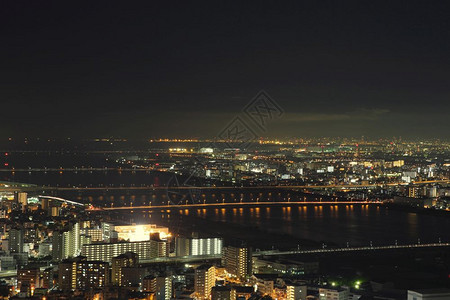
(183, 187)
(349, 249)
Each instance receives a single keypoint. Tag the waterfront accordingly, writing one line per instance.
(305, 225)
(264, 226)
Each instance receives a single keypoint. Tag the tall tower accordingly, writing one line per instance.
(66, 244)
(205, 280)
(238, 261)
(163, 288)
(128, 259)
(16, 240)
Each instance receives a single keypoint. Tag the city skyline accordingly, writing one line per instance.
(225, 150)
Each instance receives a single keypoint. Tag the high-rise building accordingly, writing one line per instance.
(296, 291)
(414, 192)
(92, 274)
(47, 278)
(107, 230)
(144, 249)
(133, 276)
(95, 234)
(15, 243)
(149, 284)
(158, 246)
(45, 203)
(238, 261)
(128, 259)
(160, 286)
(163, 288)
(204, 280)
(28, 279)
(65, 274)
(80, 274)
(198, 246)
(66, 244)
(432, 192)
(21, 199)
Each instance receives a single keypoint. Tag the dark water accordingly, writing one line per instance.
(336, 224)
(293, 225)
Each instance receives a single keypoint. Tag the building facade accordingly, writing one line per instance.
(144, 250)
(81, 274)
(204, 281)
(128, 259)
(198, 246)
(238, 261)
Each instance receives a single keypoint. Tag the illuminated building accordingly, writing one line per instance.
(28, 280)
(21, 199)
(414, 192)
(137, 233)
(333, 294)
(95, 234)
(132, 276)
(415, 202)
(238, 261)
(432, 192)
(158, 246)
(67, 243)
(264, 283)
(15, 244)
(160, 286)
(149, 284)
(198, 246)
(85, 239)
(398, 163)
(243, 292)
(204, 280)
(223, 293)
(47, 278)
(429, 294)
(45, 203)
(144, 249)
(109, 235)
(55, 211)
(163, 288)
(81, 274)
(296, 291)
(44, 249)
(285, 267)
(128, 259)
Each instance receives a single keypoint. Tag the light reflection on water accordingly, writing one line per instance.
(356, 224)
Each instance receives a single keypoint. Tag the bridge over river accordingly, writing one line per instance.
(232, 204)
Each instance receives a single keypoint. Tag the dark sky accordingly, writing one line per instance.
(186, 68)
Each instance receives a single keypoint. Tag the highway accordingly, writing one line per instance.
(349, 249)
(13, 272)
(8, 273)
(182, 259)
(187, 187)
(61, 200)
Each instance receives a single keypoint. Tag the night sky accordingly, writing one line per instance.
(185, 68)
